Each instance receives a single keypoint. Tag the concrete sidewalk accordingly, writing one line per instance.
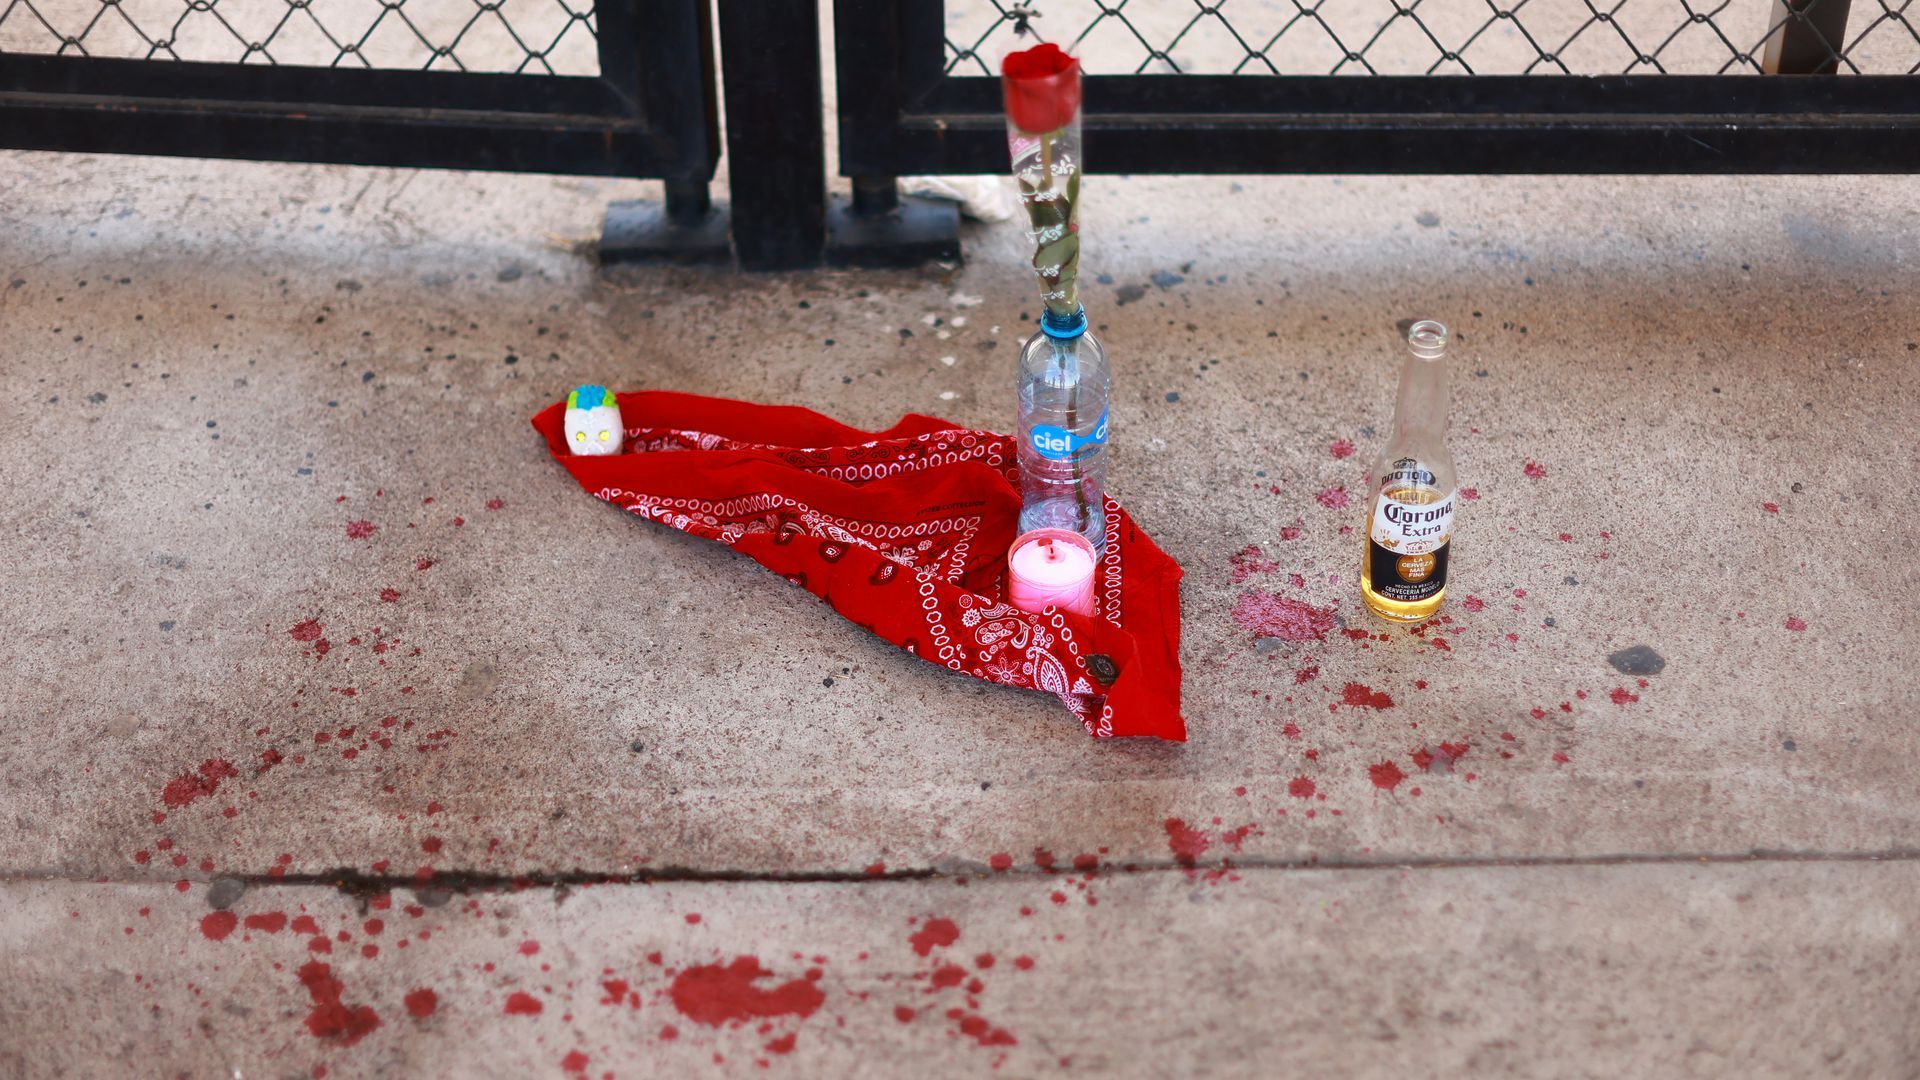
(297, 598)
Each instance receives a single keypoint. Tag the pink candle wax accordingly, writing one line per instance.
(1051, 566)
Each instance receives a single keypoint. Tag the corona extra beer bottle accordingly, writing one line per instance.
(1410, 509)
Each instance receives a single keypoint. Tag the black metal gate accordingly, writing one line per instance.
(202, 82)
(1357, 86)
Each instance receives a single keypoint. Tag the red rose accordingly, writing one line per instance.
(1042, 88)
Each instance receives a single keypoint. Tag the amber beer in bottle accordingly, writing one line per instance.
(1410, 514)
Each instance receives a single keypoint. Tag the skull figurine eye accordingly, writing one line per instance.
(579, 436)
(605, 435)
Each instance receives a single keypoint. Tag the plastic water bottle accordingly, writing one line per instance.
(1063, 425)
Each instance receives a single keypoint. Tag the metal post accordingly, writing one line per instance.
(1807, 38)
(665, 47)
(776, 139)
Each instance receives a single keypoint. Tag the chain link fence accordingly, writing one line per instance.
(1432, 37)
(534, 37)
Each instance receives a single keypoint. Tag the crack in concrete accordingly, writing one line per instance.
(357, 883)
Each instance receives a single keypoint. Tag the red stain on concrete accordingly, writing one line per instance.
(1340, 448)
(523, 1004)
(331, 1018)
(977, 1029)
(1771, 508)
(1249, 561)
(784, 1044)
(716, 994)
(1474, 603)
(388, 596)
(218, 924)
(949, 975)
(269, 922)
(1535, 471)
(936, 933)
(1187, 844)
(1796, 624)
(360, 530)
(306, 630)
(421, 1003)
(187, 787)
(1001, 862)
(904, 1013)
(1333, 498)
(1386, 775)
(1268, 615)
(574, 1062)
(1622, 696)
(1361, 696)
(1470, 494)
(1301, 787)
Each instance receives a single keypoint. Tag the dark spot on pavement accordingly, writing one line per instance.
(1127, 294)
(1427, 219)
(1788, 745)
(1638, 660)
(1165, 279)
(1173, 396)
(224, 892)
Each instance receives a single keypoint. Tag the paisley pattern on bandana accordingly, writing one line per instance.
(905, 533)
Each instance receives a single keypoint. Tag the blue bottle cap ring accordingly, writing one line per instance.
(1071, 327)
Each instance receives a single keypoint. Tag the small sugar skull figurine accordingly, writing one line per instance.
(593, 422)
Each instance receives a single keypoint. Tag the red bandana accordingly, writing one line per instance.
(905, 532)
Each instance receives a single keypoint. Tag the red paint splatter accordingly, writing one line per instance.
(1470, 494)
(616, 991)
(494, 504)
(669, 1033)
(430, 845)
(1332, 498)
(784, 1044)
(1291, 731)
(936, 933)
(1771, 508)
(1422, 759)
(1622, 696)
(904, 1013)
(307, 630)
(304, 924)
(1340, 448)
(529, 948)
(270, 922)
(949, 975)
(1289, 532)
(576, 1062)
(1386, 775)
(1473, 603)
(187, 787)
(1268, 615)
(1300, 787)
(1535, 471)
(1001, 862)
(715, 994)
(1361, 696)
(523, 1004)
(421, 1003)
(388, 596)
(330, 1018)
(1024, 963)
(1796, 623)
(1249, 561)
(977, 1029)
(1561, 759)
(218, 924)
(423, 564)
(1306, 674)
(360, 530)
(1187, 844)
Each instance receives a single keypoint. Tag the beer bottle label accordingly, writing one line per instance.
(1407, 548)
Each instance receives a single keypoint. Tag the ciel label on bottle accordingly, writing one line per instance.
(1052, 441)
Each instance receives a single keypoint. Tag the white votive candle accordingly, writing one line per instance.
(1051, 567)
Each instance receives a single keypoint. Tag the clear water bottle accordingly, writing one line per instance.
(1064, 390)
